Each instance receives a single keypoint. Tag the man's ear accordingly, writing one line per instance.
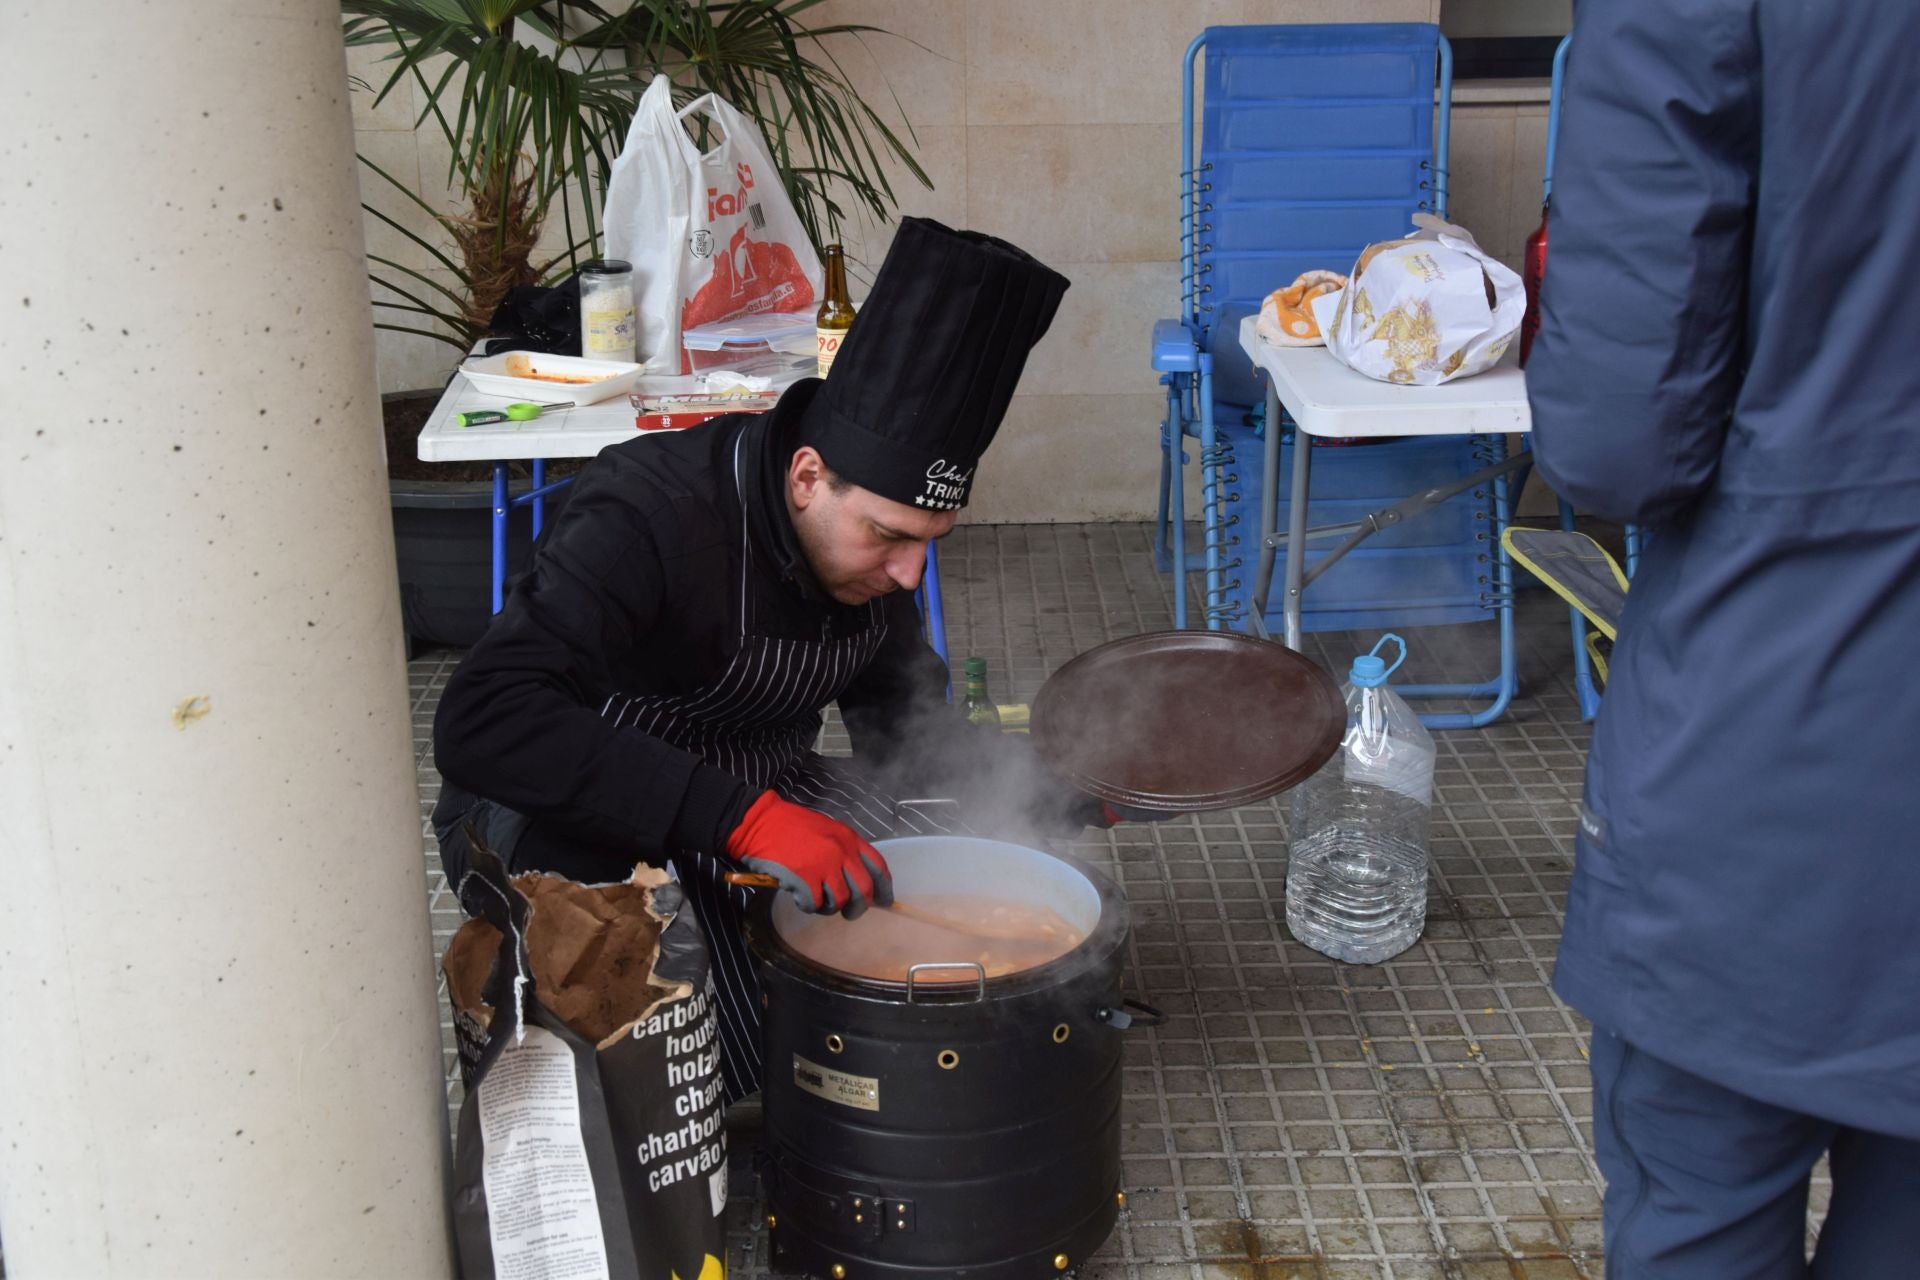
(806, 476)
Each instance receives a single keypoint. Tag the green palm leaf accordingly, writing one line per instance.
(527, 124)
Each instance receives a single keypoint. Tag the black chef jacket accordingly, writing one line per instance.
(638, 590)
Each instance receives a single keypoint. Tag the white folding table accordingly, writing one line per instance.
(1326, 398)
(580, 431)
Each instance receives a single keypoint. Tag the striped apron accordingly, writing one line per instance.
(759, 721)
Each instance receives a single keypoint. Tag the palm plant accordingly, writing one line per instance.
(534, 127)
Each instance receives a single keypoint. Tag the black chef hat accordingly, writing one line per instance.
(923, 378)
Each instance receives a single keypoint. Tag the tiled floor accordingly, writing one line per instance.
(1427, 1117)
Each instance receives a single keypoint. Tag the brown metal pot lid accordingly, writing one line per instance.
(1184, 721)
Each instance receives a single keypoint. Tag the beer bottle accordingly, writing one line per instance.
(978, 706)
(835, 317)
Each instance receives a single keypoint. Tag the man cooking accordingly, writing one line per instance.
(653, 689)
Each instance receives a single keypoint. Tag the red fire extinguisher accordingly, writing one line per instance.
(1532, 269)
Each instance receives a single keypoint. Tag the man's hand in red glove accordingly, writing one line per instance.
(824, 864)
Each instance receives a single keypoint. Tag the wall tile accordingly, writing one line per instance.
(918, 65)
(436, 155)
(555, 232)
(942, 152)
(1077, 193)
(1114, 61)
(1480, 176)
(408, 362)
(366, 63)
(1098, 343)
(1067, 458)
(398, 154)
(1077, 61)
(1529, 162)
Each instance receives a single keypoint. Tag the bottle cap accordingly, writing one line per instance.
(975, 667)
(606, 267)
(1370, 671)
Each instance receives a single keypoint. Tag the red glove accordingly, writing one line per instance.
(824, 864)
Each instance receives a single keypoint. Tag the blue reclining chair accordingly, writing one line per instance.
(933, 606)
(1313, 142)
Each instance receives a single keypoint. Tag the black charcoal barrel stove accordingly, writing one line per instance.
(952, 1124)
(970, 1129)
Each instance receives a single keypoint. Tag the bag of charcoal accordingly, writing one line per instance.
(591, 1139)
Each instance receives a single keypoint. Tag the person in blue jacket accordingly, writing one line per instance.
(1729, 356)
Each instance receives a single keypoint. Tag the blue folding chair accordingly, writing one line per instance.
(1313, 141)
(933, 606)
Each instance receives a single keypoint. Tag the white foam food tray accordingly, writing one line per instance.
(550, 381)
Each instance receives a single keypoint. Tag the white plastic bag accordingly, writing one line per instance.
(1424, 310)
(711, 236)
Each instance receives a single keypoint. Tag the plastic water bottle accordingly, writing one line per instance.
(1357, 874)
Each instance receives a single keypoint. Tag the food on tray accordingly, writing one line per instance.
(521, 365)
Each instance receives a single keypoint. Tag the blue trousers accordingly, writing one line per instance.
(1707, 1184)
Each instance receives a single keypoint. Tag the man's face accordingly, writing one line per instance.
(858, 544)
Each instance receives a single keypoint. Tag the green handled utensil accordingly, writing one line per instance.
(524, 411)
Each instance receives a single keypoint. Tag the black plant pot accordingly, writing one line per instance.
(443, 539)
(443, 533)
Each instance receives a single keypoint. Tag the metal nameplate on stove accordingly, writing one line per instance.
(861, 1092)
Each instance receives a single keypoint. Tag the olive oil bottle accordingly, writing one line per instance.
(978, 706)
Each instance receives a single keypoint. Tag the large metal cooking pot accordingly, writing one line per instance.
(956, 1128)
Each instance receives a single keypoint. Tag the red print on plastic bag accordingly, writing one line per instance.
(751, 277)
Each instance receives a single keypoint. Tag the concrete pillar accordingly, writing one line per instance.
(220, 1051)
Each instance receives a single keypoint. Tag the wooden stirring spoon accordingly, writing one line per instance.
(973, 928)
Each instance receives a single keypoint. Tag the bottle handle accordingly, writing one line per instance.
(1375, 651)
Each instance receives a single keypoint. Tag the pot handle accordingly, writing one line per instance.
(1130, 1013)
(980, 973)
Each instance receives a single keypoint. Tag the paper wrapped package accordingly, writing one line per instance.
(1424, 310)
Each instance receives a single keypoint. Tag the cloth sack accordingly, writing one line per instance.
(711, 235)
(1424, 310)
